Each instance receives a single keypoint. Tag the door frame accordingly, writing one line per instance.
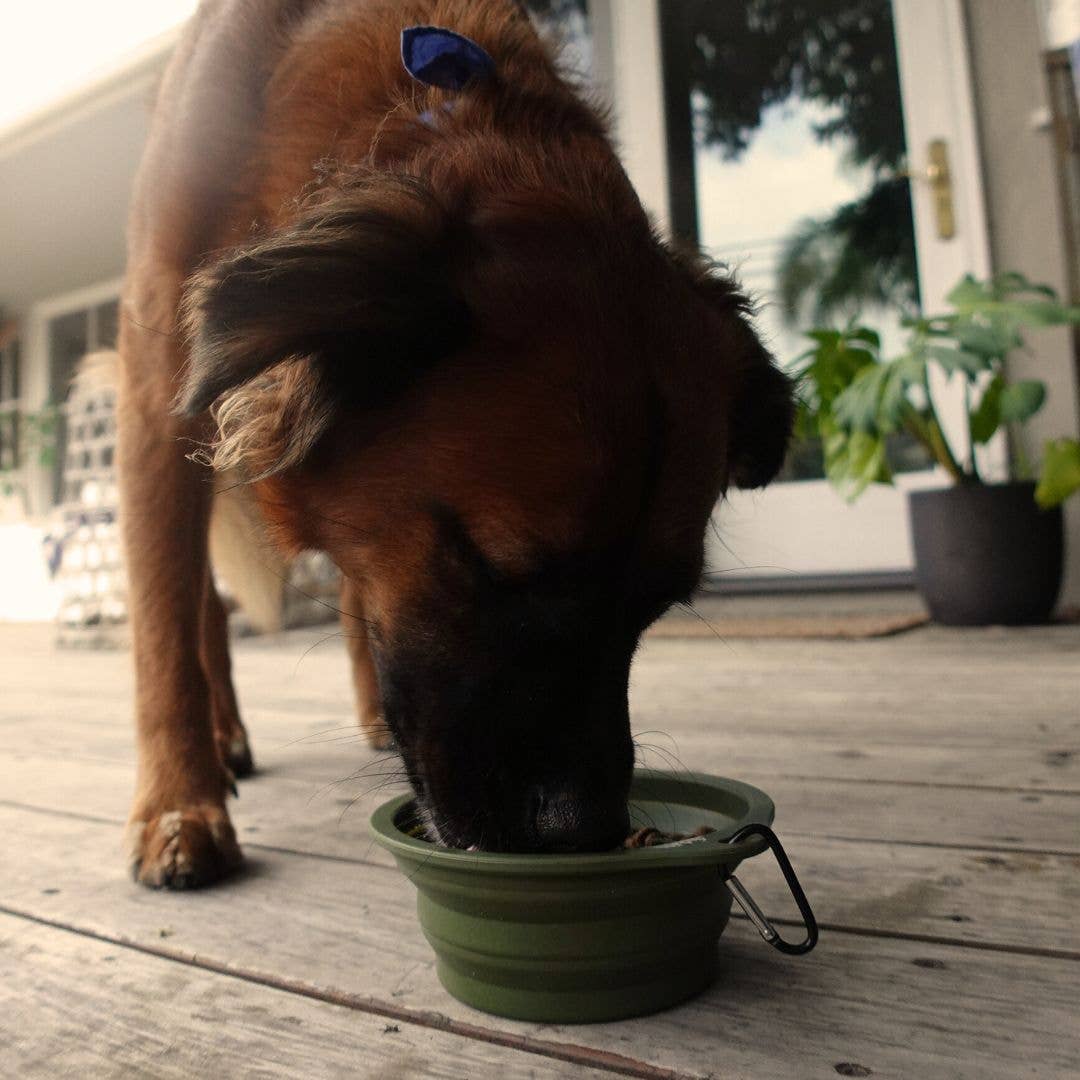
(629, 53)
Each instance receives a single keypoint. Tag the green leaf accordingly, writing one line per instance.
(1011, 281)
(824, 337)
(856, 408)
(1060, 475)
(1041, 312)
(986, 419)
(958, 360)
(1022, 400)
(854, 461)
(968, 293)
(877, 398)
(828, 369)
(984, 339)
(864, 333)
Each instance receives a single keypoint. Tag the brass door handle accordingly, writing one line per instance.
(938, 176)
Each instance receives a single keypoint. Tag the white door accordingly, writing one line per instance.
(751, 200)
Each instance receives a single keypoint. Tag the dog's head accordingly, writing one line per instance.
(508, 421)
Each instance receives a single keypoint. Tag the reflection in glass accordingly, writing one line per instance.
(787, 157)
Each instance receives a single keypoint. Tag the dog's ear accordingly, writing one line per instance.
(761, 420)
(763, 408)
(361, 286)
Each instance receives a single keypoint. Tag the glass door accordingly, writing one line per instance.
(797, 139)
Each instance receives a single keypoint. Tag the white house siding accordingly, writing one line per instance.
(1027, 222)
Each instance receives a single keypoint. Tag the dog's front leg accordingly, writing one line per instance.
(365, 683)
(234, 747)
(179, 830)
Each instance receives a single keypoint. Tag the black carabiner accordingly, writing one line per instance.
(755, 914)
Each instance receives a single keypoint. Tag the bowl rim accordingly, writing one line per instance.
(709, 850)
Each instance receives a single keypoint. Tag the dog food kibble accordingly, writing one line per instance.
(650, 837)
(643, 837)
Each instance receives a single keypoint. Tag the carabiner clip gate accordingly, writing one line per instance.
(755, 914)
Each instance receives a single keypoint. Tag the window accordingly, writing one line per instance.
(70, 337)
(10, 376)
(567, 21)
(786, 155)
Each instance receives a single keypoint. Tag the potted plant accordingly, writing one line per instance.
(984, 552)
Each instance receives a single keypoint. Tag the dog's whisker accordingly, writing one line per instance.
(697, 614)
(338, 636)
(382, 785)
(674, 762)
(312, 737)
(387, 779)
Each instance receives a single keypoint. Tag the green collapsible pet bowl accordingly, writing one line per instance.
(594, 937)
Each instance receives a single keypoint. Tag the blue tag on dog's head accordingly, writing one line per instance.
(442, 58)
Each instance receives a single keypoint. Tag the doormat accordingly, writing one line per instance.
(830, 627)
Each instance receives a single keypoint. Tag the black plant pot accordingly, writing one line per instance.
(986, 554)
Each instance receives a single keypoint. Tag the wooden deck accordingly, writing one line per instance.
(927, 785)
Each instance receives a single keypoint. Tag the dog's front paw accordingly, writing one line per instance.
(182, 848)
(235, 752)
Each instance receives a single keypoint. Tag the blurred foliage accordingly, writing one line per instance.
(746, 56)
(34, 437)
(751, 55)
(1060, 475)
(864, 253)
(554, 10)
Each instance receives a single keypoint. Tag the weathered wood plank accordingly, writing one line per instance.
(898, 1008)
(952, 686)
(308, 787)
(960, 714)
(955, 894)
(305, 746)
(71, 1006)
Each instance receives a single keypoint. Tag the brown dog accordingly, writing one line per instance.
(447, 349)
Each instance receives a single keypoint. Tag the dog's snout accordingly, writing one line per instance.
(568, 821)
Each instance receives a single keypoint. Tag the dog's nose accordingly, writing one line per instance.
(567, 821)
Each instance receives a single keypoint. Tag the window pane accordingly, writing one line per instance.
(9, 370)
(68, 343)
(787, 154)
(107, 315)
(9, 440)
(568, 21)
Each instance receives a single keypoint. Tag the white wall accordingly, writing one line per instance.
(1027, 224)
(27, 594)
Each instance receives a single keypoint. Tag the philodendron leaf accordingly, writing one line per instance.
(877, 398)
(1011, 281)
(986, 339)
(986, 419)
(1022, 400)
(1060, 475)
(857, 406)
(968, 293)
(954, 360)
(854, 461)
(1013, 298)
(864, 333)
